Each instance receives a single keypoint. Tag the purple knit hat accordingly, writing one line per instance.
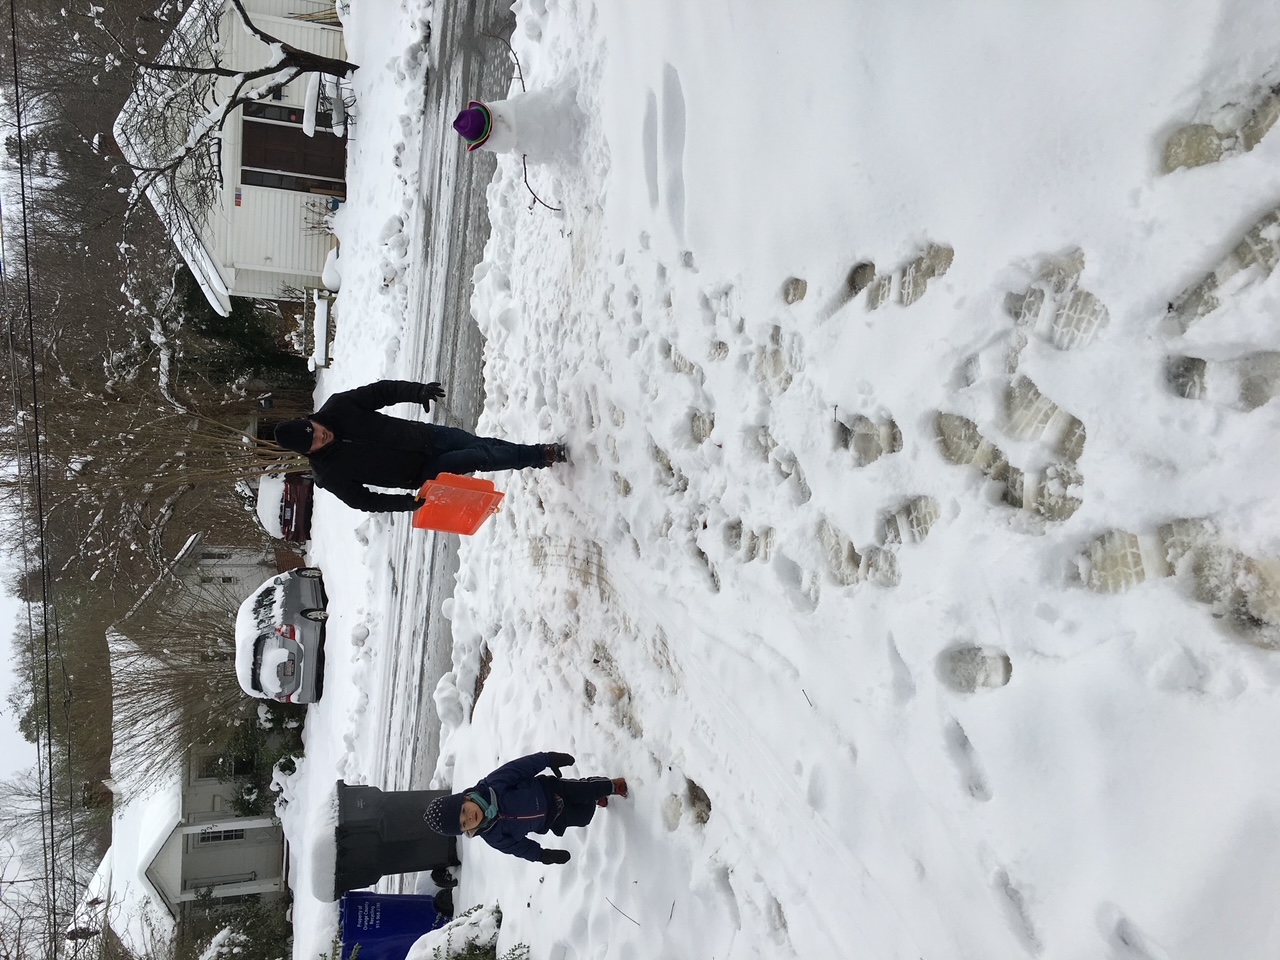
(444, 813)
(295, 435)
(474, 124)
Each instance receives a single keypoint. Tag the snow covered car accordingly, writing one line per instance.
(280, 638)
(284, 505)
(295, 507)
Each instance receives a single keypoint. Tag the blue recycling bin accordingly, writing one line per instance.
(385, 925)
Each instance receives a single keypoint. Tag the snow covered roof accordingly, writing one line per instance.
(91, 911)
(185, 551)
(122, 893)
(151, 90)
(202, 263)
(137, 911)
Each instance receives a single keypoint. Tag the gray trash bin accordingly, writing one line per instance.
(381, 832)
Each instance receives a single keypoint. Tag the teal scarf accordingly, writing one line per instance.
(488, 806)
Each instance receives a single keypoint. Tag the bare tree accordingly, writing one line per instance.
(176, 665)
(170, 128)
(127, 473)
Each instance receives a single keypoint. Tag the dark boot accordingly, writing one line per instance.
(443, 903)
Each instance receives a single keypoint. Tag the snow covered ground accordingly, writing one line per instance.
(879, 596)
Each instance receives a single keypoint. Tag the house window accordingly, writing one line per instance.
(287, 181)
(220, 836)
(214, 767)
(284, 148)
(216, 555)
(282, 114)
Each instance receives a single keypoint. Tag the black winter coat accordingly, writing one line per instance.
(372, 449)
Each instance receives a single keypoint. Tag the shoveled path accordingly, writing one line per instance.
(451, 229)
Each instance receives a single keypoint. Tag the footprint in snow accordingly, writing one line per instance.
(749, 544)
(1018, 912)
(1126, 940)
(966, 761)
(801, 586)
(969, 668)
(1242, 592)
(866, 439)
(1235, 127)
(909, 282)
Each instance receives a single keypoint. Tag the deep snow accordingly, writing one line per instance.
(741, 594)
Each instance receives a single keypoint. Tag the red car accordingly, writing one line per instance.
(295, 507)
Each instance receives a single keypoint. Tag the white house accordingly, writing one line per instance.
(177, 839)
(266, 235)
(174, 841)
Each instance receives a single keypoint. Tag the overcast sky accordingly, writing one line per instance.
(15, 752)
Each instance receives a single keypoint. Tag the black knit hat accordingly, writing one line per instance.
(294, 435)
(444, 814)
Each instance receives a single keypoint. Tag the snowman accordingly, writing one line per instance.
(540, 124)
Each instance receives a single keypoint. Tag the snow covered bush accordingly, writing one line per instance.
(469, 936)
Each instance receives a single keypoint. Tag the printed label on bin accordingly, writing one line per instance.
(369, 916)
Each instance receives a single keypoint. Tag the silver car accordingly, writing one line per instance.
(280, 638)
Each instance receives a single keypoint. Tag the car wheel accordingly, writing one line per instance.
(318, 616)
(311, 573)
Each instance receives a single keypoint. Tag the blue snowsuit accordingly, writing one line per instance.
(528, 803)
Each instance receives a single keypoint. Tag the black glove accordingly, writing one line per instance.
(555, 856)
(557, 760)
(431, 391)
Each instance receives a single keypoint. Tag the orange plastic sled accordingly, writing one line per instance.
(456, 504)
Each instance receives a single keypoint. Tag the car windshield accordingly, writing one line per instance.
(255, 675)
(273, 657)
(268, 654)
(264, 605)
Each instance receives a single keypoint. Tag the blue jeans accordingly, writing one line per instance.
(456, 451)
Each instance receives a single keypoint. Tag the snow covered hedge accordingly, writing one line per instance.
(470, 936)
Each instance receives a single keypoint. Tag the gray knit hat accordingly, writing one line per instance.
(444, 814)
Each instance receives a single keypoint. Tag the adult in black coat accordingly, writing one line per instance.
(352, 446)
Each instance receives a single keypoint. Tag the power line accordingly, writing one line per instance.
(34, 459)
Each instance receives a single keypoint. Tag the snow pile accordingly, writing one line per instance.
(479, 925)
(323, 849)
(225, 943)
(270, 497)
(916, 562)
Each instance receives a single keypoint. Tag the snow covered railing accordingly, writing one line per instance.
(326, 94)
(318, 316)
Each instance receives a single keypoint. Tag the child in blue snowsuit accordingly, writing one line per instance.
(515, 800)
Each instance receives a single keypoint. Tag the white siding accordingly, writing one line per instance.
(271, 240)
(280, 230)
(245, 51)
(286, 8)
(271, 286)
